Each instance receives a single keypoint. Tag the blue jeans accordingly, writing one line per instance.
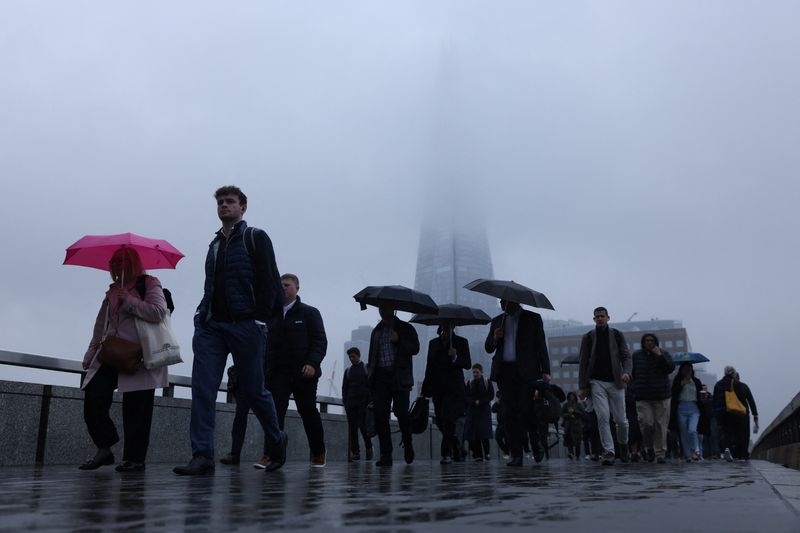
(212, 342)
(688, 416)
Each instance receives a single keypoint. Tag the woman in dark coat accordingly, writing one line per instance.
(478, 428)
(448, 357)
(572, 413)
(686, 412)
(734, 430)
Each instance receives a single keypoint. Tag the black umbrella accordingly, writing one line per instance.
(571, 360)
(510, 292)
(459, 315)
(397, 297)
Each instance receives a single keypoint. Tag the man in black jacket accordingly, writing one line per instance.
(651, 387)
(448, 357)
(389, 368)
(520, 359)
(241, 293)
(355, 397)
(295, 348)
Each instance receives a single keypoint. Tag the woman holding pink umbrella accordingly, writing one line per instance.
(124, 302)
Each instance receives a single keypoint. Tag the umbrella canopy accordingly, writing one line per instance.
(510, 292)
(95, 251)
(571, 360)
(398, 297)
(459, 315)
(689, 357)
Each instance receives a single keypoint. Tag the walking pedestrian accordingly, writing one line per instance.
(355, 397)
(242, 292)
(734, 429)
(448, 357)
(516, 337)
(478, 427)
(121, 307)
(572, 415)
(686, 410)
(605, 370)
(651, 388)
(296, 347)
(393, 343)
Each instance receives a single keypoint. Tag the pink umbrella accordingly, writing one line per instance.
(96, 250)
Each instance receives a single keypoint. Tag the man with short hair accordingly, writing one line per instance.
(355, 397)
(242, 292)
(516, 337)
(652, 390)
(605, 371)
(295, 349)
(393, 343)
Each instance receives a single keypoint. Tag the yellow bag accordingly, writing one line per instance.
(732, 403)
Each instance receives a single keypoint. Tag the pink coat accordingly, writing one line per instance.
(122, 324)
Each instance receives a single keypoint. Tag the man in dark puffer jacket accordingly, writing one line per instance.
(651, 369)
(242, 292)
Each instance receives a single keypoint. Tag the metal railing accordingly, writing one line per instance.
(70, 366)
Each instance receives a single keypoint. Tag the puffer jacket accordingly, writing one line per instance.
(253, 284)
(651, 375)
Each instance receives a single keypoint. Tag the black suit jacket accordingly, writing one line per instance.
(532, 357)
(295, 340)
(443, 376)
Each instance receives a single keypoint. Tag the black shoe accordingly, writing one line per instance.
(408, 452)
(608, 458)
(538, 455)
(278, 457)
(369, 454)
(515, 461)
(130, 466)
(101, 458)
(230, 459)
(385, 460)
(199, 465)
(624, 454)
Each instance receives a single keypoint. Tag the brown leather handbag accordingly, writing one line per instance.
(124, 355)
(119, 353)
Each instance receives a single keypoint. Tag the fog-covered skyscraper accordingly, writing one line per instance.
(450, 256)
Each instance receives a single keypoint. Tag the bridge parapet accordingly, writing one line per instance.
(780, 441)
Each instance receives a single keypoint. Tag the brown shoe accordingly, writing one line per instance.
(318, 460)
(262, 463)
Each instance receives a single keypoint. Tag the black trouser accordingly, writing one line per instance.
(355, 423)
(479, 447)
(385, 400)
(500, 438)
(283, 383)
(517, 408)
(137, 415)
(447, 425)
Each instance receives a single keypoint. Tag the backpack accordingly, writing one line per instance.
(142, 290)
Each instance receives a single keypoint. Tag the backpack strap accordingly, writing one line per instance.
(249, 240)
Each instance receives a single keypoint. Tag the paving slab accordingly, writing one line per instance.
(557, 495)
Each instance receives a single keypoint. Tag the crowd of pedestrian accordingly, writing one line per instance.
(626, 408)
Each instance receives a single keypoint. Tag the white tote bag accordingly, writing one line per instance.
(159, 346)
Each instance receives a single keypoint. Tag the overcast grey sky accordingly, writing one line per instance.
(638, 155)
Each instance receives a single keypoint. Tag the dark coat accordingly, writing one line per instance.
(651, 375)
(702, 424)
(478, 424)
(444, 377)
(742, 392)
(252, 283)
(355, 386)
(407, 346)
(572, 414)
(532, 357)
(296, 340)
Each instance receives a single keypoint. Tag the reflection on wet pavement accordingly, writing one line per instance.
(713, 496)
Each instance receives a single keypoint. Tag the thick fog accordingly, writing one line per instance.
(637, 155)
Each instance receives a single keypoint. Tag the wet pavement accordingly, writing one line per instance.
(713, 496)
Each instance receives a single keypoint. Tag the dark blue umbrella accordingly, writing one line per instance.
(689, 357)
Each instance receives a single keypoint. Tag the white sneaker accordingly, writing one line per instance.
(727, 455)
